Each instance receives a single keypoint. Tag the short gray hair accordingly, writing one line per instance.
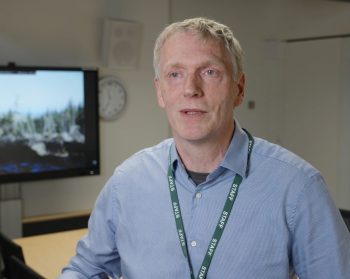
(205, 28)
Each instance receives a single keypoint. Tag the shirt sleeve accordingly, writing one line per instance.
(320, 239)
(96, 253)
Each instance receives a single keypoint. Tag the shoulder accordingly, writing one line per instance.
(146, 160)
(288, 177)
(154, 154)
(139, 168)
(279, 158)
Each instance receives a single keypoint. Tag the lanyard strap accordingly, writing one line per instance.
(231, 197)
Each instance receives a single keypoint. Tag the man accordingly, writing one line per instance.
(212, 202)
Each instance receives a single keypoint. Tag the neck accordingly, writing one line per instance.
(203, 157)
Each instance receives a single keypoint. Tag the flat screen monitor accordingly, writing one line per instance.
(48, 123)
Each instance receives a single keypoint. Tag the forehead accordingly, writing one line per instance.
(186, 47)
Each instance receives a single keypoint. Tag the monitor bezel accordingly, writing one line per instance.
(92, 127)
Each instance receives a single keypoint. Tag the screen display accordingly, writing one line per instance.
(48, 123)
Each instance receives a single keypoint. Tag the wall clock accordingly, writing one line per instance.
(112, 98)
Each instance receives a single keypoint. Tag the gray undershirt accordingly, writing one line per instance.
(197, 177)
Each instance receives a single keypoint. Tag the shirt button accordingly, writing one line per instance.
(198, 195)
(193, 243)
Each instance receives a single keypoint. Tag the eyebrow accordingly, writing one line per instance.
(214, 62)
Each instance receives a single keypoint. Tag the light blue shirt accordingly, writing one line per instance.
(283, 220)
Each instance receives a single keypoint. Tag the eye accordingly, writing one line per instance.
(173, 74)
(211, 72)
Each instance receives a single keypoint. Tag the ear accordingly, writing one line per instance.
(159, 92)
(240, 90)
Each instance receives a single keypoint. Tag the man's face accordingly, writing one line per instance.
(196, 88)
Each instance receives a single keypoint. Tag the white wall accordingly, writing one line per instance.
(314, 123)
(261, 27)
(69, 33)
(311, 88)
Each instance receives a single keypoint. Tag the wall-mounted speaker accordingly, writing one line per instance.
(121, 44)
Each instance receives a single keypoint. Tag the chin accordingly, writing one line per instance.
(193, 137)
(191, 132)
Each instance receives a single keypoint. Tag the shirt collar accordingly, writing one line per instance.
(174, 156)
(236, 155)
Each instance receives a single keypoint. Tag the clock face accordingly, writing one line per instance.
(112, 98)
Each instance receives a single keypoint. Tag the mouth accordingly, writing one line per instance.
(192, 112)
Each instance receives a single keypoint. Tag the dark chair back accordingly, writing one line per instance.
(346, 216)
(7, 249)
(19, 270)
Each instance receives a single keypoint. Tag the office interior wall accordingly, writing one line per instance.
(283, 112)
(10, 210)
(70, 33)
(313, 97)
(261, 27)
(343, 162)
(311, 108)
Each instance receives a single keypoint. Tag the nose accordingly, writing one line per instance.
(193, 86)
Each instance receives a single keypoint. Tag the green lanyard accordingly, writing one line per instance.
(231, 197)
